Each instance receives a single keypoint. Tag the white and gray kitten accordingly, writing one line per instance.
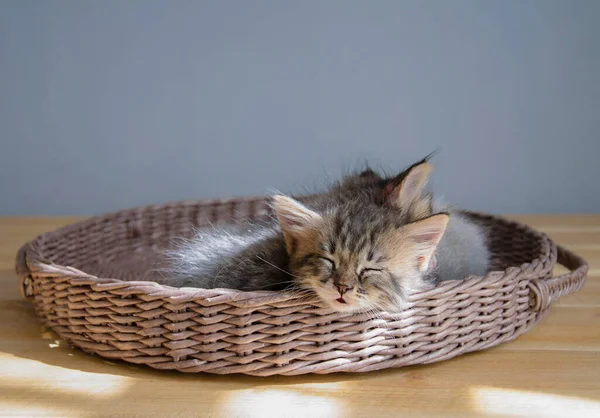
(365, 244)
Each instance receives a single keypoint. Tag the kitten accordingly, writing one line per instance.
(421, 243)
(251, 255)
(353, 255)
(365, 244)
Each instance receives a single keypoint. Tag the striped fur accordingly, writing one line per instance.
(364, 244)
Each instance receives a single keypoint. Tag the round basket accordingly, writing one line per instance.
(91, 283)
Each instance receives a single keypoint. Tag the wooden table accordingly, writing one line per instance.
(554, 370)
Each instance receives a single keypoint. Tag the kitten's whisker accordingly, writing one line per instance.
(370, 312)
(278, 268)
(373, 310)
(375, 315)
(279, 283)
(377, 311)
(296, 287)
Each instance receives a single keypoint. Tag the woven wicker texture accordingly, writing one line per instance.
(89, 282)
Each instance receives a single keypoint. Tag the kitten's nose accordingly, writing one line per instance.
(342, 288)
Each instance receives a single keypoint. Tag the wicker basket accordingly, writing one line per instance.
(89, 282)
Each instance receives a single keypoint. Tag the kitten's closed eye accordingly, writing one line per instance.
(367, 271)
(328, 261)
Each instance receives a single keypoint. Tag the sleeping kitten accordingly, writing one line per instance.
(355, 256)
(366, 244)
(252, 255)
(444, 243)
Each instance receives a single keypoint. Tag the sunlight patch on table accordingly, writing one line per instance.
(14, 409)
(520, 403)
(320, 387)
(280, 402)
(17, 372)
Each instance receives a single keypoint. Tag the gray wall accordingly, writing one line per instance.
(113, 104)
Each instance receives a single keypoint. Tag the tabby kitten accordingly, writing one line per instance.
(375, 255)
(357, 251)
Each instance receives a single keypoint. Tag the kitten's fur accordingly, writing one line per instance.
(365, 244)
(463, 250)
(359, 256)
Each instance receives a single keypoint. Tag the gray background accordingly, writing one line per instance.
(112, 104)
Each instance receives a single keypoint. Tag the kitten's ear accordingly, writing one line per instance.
(409, 189)
(425, 235)
(295, 219)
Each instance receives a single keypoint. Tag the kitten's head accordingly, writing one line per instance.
(358, 256)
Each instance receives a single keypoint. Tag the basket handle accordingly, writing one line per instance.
(551, 289)
(23, 271)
